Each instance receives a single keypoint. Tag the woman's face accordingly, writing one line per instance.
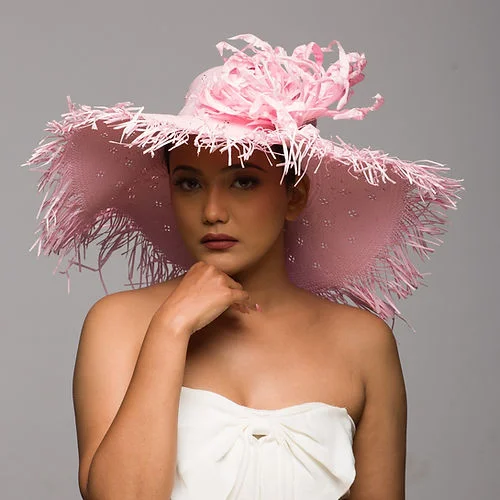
(249, 204)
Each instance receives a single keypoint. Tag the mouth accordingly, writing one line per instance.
(219, 244)
(217, 237)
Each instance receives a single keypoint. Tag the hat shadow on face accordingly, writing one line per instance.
(275, 185)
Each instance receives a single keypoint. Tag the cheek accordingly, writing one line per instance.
(268, 209)
(263, 209)
(176, 209)
(183, 214)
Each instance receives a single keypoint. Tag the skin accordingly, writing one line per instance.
(353, 361)
(299, 348)
(221, 200)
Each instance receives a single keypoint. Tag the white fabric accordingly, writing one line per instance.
(306, 452)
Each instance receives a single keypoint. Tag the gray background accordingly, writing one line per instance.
(437, 65)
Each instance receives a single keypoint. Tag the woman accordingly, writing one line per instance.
(230, 380)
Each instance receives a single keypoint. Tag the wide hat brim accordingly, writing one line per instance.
(107, 184)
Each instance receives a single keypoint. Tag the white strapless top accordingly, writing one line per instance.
(305, 452)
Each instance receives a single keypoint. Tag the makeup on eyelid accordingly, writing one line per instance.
(254, 181)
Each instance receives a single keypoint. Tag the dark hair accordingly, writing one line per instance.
(290, 176)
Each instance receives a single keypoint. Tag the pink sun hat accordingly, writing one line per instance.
(106, 181)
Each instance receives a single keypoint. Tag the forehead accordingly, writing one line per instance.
(204, 159)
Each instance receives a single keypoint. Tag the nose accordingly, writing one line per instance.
(214, 209)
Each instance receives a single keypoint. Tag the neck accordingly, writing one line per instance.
(267, 281)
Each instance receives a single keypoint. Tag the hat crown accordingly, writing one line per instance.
(270, 89)
(197, 85)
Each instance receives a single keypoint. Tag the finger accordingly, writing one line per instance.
(234, 285)
(254, 307)
(249, 306)
(237, 307)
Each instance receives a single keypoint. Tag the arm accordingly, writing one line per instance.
(126, 398)
(380, 440)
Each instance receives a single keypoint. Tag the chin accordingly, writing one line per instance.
(229, 264)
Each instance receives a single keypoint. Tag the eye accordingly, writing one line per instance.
(181, 180)
(250, 182)
(190, 183)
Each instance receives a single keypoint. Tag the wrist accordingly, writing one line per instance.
(177, 325)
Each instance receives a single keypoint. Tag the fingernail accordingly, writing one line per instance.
(258, 308)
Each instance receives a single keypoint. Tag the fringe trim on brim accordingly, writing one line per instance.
(391, 271)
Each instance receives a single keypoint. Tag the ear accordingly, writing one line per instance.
(297, 198)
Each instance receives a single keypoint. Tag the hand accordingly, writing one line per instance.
(202, 295)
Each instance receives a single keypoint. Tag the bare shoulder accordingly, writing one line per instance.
(362, 332)
(139, 296)
(110, 342)
(116, 325)
(375, 346)
(370, 345)
(132, 309)
(380, 439)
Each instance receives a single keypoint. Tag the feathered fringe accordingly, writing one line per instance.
(392, 271)
(418, 229)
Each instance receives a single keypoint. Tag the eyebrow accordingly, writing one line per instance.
(235, 166)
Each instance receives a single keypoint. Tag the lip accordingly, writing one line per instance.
(219, 244)
(217, 237)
